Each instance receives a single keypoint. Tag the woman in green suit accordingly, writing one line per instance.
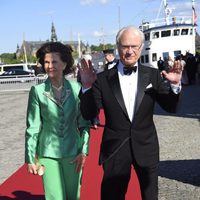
(57, 137)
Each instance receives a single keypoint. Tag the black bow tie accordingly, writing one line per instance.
(109, 63)
(129, 70)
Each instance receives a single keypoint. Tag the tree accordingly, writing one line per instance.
(101, 47)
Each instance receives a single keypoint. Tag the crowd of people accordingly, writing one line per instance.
(190, 66)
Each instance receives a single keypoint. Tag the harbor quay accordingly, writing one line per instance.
(179, 138)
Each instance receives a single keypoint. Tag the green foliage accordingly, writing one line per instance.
(198, 51)
(75, 54)
(10, 58)
(101, 47)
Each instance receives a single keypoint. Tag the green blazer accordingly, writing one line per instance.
(55, 129)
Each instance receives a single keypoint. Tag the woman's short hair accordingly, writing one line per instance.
(65, 52)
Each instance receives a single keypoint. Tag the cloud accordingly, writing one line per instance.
(98, 34)
(104, 34)
(52, 12)
(184, 9)
(89, 2)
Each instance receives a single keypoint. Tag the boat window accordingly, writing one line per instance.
(176, 32)
(146, 58)
(184, 32)
(155, 35)
(154, 57)
(165, 33)
(142, 59)
(147, 36)
(191, 31)
(1, 70)
(177, 53)
(165, 55)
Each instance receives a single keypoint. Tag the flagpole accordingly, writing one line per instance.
(25, 55)
(79, 46)
(194, 17)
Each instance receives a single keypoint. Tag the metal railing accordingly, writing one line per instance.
(19, 83)
(24, 83)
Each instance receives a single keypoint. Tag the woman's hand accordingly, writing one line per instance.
(32, 168)
(79, 161)
(87, 73)
(175, 73)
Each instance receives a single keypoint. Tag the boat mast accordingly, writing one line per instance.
(158, 14)
(167, 12)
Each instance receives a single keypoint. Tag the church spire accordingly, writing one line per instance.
(53, 33)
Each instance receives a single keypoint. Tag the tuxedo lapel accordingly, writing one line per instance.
(113, 81)
(143, 79)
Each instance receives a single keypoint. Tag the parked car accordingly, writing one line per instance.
(16, 75)
(29, 67)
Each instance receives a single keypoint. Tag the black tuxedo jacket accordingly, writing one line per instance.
(106, 94)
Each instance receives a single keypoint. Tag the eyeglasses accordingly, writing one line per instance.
(128, 47)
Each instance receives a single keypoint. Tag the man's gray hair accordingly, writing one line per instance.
(135, 30)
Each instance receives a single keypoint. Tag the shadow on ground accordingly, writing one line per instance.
(23, 195)
(186, 171)
(189, 104)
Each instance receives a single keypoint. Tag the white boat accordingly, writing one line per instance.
(168, 37)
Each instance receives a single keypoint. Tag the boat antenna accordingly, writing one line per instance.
(158, 14)
(167, 12)
(119, 16)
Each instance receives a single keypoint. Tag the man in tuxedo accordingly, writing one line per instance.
(109, 58)
(127, 93)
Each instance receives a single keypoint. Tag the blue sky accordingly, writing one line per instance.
(96, 21)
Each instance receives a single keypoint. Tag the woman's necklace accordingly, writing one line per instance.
(58, 93)
(57, 88)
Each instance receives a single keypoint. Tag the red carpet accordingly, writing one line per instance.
(23, 186)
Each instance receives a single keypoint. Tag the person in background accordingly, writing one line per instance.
(184, 79)
(127, 93)
(191, 68)
(57, 136)
(161, 64)
(110, 59)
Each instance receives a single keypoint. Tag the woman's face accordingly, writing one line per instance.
(53, 65)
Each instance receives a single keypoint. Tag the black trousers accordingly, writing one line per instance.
(117, 173)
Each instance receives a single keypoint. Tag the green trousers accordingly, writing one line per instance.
(60, 180)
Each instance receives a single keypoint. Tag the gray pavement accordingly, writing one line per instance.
(179, 137)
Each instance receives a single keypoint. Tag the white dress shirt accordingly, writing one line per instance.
(128, 84)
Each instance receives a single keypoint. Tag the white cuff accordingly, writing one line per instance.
(85, 90)
(176, 88)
